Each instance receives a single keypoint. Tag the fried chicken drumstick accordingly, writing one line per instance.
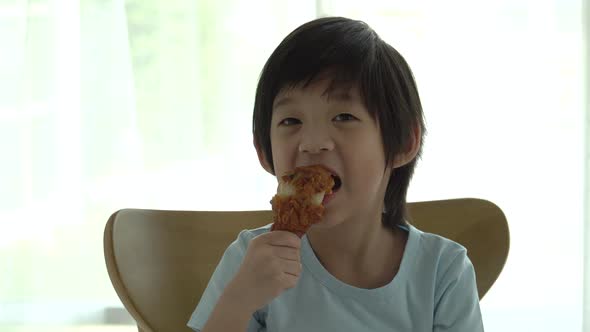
(300, 194)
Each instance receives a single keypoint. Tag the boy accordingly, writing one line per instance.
(334, 94)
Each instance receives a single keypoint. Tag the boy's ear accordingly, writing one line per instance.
(262, 158)
(411, 150)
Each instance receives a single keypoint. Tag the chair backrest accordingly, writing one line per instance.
(159, 262)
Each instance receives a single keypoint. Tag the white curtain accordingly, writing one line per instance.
(106, 104)
(113, 104)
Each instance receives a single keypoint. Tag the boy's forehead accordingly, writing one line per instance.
(329, 88)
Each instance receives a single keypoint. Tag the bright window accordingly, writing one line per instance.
(147, 103)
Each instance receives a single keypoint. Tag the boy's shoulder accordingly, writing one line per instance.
(246, 235)
(435, 247)
(254, 232)
(438, 259)
(236, 250)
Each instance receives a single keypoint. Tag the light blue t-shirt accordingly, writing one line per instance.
(434, 290)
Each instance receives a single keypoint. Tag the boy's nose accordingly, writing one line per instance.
(316, 143)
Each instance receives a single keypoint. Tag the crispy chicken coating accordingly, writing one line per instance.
(298, 202)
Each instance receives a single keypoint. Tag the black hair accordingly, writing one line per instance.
(350, 52)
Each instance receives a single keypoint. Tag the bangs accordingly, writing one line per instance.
(339, 81)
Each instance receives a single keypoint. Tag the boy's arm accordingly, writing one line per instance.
(253, 271)
(456, 300)
(216, 310)
(229, 315)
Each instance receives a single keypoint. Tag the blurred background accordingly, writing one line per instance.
(108, 104)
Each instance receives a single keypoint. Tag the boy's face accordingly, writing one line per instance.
(335, 129)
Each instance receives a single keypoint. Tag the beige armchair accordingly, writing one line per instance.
(159, 262)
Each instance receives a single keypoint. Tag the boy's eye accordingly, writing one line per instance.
(289, 122)
(345, 117)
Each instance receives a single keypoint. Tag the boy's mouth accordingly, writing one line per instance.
(337, 183)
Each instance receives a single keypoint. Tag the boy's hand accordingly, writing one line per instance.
(271, 265)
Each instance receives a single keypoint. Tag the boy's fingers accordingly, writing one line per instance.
(288, 253)
(292, 267)
(283, 239)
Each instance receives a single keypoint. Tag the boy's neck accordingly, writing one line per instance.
(364, 255)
